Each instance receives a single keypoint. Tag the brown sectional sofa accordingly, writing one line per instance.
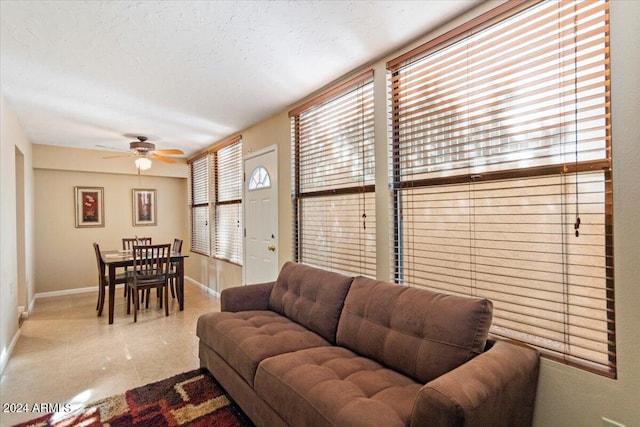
(316, 348)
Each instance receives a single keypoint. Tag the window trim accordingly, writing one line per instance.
(212, 201)
(473, 26)
(197, 206)
(219, 203)
(298, 195)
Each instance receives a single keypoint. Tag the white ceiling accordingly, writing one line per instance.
(187, 73)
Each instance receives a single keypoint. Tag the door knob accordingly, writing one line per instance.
(272, 248)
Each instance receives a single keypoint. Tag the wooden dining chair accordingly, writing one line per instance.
(127, 245)
(173, 271)
(150, 270)
(103, 279)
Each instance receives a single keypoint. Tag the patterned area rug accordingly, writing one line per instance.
(190, 399)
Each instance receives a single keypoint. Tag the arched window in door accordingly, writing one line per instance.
(259, 179)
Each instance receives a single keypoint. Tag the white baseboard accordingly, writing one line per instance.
(4, 357)
(203, 287)
(95, 289)
(22, 313)
(65, 292)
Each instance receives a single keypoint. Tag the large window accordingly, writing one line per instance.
(199, 176)
(216, 197)
(228, 213)
(501, 174)
(334, 190)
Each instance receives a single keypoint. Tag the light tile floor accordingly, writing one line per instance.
(66, 354)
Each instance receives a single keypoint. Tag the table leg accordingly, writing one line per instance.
(180, 290)
(112, 291)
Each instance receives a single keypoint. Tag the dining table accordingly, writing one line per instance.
(115, 259)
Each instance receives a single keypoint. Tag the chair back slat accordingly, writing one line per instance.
(129, 242)
(151, 262)
(177, 245)
(101, 266)
(102, 278)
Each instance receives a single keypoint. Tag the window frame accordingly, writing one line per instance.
(333, 196)
(199, 203)
(215, 203)
(399, 183)
(230, 249)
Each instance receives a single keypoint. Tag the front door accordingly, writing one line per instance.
(261, 216)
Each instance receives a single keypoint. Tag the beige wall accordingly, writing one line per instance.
(58, 170)
(64, 255)
(16, 234)
(70, 159)
(217, 275)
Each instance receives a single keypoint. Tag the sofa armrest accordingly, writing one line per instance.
(244, 298)
(496, 388)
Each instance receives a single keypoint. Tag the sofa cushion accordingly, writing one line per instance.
(333, 386)
(420, 333)
(311, 297)
(246, 338)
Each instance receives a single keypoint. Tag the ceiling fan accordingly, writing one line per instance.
(145, 151)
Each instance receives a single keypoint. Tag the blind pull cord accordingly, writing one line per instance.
(576, 225)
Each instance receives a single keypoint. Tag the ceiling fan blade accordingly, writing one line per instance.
(112, 148)
(169, 151)
(119, 155)
(162, 159)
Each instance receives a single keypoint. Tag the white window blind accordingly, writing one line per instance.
(228, 213)
(199, 174)
(501, 158)
(334, 182)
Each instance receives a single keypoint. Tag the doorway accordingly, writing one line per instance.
(23, 303)
(260, 259)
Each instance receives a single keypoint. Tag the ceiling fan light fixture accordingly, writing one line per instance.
(142, 163)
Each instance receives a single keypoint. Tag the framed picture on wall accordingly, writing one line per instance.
(89, 203)
(144, 207)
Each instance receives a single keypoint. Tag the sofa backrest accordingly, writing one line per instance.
(420, 333)
(311, 297)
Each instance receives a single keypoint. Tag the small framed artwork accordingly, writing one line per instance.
(89, 206)
(144, 207)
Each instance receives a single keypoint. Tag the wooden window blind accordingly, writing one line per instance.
(501, 170)
(228, 202)
(200, 235)
(334, 179)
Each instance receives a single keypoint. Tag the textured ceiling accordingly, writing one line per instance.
(186, 73)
